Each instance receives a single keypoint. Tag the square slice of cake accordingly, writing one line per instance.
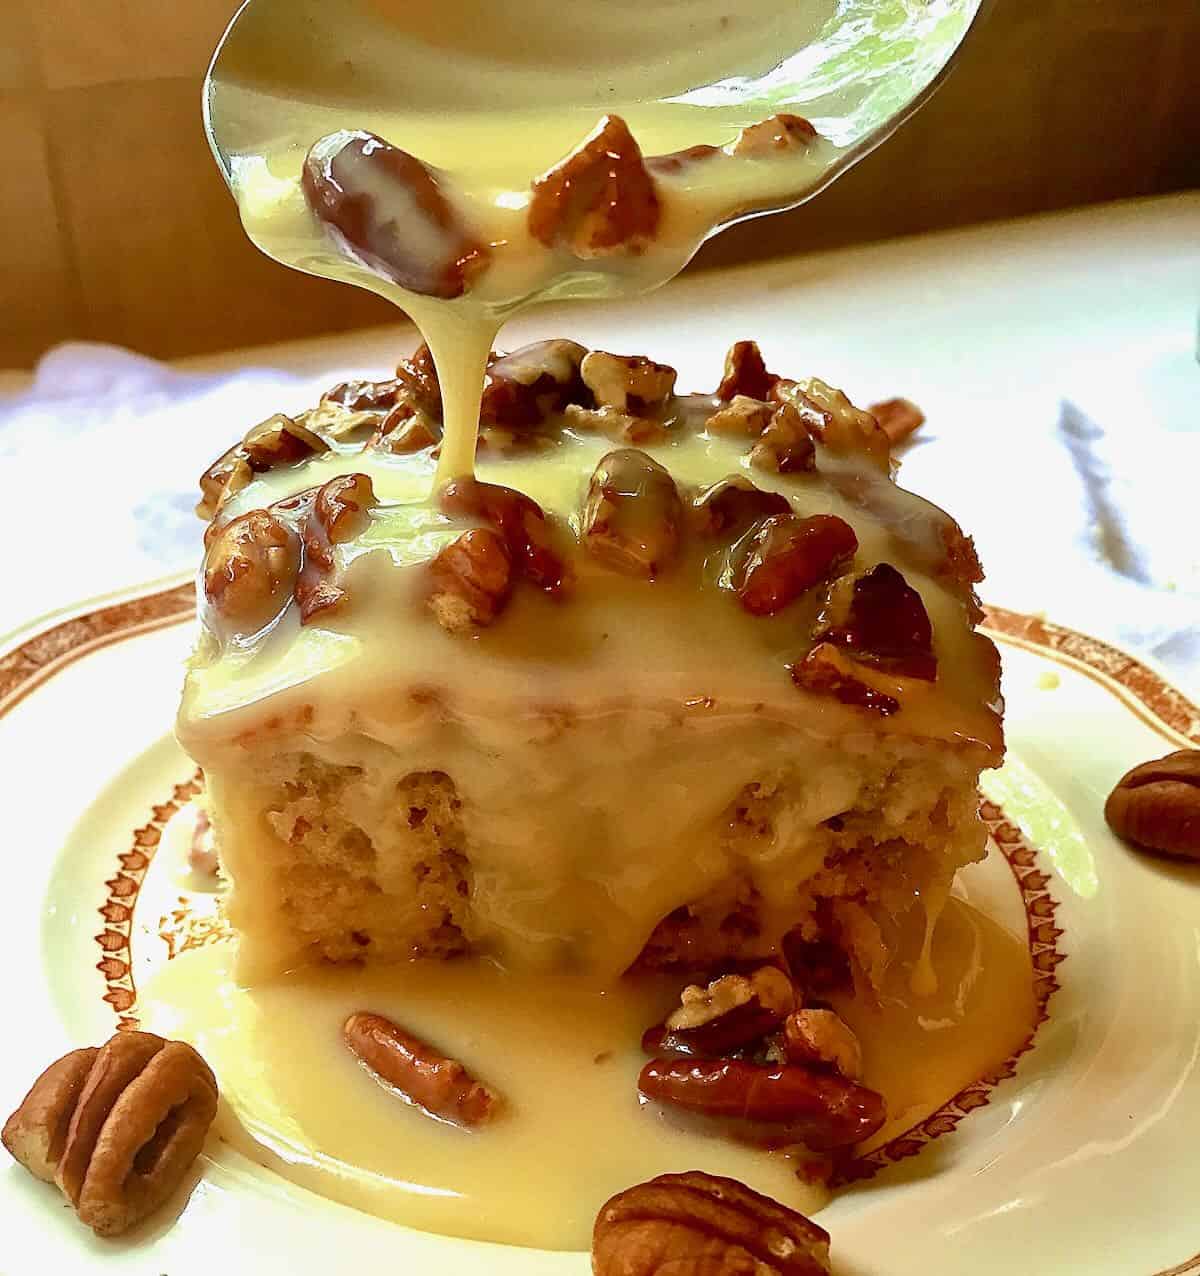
(672, 676)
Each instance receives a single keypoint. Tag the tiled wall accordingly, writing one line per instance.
(116, 226)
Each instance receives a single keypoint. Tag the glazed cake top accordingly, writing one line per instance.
(745, 551)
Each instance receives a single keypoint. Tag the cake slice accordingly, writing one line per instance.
(671, 677)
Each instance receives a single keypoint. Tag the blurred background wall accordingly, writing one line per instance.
(116, 227)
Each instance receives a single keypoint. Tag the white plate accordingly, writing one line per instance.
(1080, 1156)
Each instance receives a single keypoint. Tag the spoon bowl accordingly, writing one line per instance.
(289, 71)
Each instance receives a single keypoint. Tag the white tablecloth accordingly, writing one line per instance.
(1055, 359)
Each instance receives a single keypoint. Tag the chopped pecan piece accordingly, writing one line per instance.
(340, 512)
(519, 520)
(827, 671)
(224, 478)
(418, 378)
(746, 373)
(116, 1128)
(628, 383)
(364, 396)
(343, 506)
(731, 1012)
(418, 1073)
(790, 555)
(471, 581)
(822, 1038)
(835, 422)
(783, 132)
(344, 176)
(250, 568)
(1157, 805)
(785, 446)
(675, 162)
(279, 440)
(898, 418)
(741, 415)
(405, 430)
(696, 1224)
(635, 431)
(818, 1109)
(887, 625)
(600, 199)
(525, 387)
(729, 507)
(632, 517)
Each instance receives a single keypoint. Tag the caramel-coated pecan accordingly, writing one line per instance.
(829, 671)
(418, 378)
(521, 523)
(785, 445)
(697, 1224)
(224, 478)
(788, 556)
(345, 173)
(727, 508)
(528, 385)
(600, 199)
(819, 1109)
(741, 416)
(340, 511)
(731, 1012)
(783, 132)
(364, 396)
(629, 383)
(418, 1073)
(886, 625)
(898, 418)
(250, 569)
(835, 422)
(279, 440)
(821, 1038)
(116, 1128)
(1157, 805)
(632, 516)
(404, 430)
(471, 581)
(745, 373)
(621, 427)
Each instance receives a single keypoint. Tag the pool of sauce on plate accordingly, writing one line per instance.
(565, 1053)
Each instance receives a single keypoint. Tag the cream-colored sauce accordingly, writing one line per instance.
(564, 1052)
